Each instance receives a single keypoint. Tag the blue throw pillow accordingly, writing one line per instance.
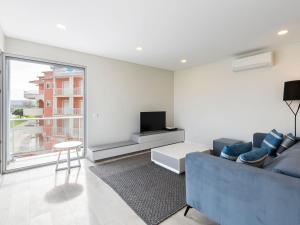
(255, 157)
(272, 141)
(288, 142)
(232, 152)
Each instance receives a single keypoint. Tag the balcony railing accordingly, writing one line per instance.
(34, 94)
(28, 126)
(78, 91)
(67, 132)
(63, 91)
(63, 111)
(35, 136)
(67, 111)
(33, 111)
(68, 91)
(78, 111)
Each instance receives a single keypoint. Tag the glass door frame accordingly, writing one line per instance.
(1, 110)
(4, 105)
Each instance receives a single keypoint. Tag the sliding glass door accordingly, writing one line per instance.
(44, 106)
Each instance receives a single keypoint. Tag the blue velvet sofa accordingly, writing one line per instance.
(230, 193)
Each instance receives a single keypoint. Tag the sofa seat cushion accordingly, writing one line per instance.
(272, 141)
(289, 165)
(255, 157)
(232, 152)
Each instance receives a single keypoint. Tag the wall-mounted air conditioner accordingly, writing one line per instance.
(255, 61)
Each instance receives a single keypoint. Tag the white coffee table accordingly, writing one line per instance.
(172, 157)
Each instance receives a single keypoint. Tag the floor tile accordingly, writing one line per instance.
(43, 197)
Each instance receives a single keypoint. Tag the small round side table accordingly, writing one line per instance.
(68, 146)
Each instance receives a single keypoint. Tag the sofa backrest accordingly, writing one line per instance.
(259, 137)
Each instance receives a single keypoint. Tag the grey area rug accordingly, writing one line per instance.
(153, 192)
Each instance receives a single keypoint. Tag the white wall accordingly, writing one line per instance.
(117, 90)
(2, 40)
(211, 101)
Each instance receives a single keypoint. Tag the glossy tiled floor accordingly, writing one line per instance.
(43, 197)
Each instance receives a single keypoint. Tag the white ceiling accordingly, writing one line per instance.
(200, 31)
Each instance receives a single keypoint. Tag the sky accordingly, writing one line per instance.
(21, 72)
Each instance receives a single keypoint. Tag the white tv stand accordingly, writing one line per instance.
(138, 142)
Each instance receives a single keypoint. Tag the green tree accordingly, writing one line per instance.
(18, 112)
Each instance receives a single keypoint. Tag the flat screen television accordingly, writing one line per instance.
(152, 121)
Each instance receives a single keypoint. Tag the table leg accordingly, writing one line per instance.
(57, 161)
(69, 161)
(78, 158)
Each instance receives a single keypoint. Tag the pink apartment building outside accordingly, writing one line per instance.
(60, 104)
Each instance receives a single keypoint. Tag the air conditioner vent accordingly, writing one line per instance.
(252, 62)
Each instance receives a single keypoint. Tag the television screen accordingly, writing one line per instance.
(152, 121)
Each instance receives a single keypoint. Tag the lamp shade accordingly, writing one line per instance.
(291, 90)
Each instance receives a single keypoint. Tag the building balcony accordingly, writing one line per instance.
(33, 111)
(66, 111)
(78, 91)
(67, 132)
(63, 111)
(34, 95)
(78, 111)
(25, 125)
(63, 92)
(68, 91)
(36, 136)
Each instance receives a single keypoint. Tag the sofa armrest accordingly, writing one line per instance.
(258, 139)
(232, 193)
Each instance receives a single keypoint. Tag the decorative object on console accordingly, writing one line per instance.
(232, 152)
(272, 141)
(255, 157)
(288, 141)
(292, 93)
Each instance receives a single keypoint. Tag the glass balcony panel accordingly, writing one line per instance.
(63, 91)
(34, 94)
(35, 137)
(33, 111)
(78, 91)
(67, 111)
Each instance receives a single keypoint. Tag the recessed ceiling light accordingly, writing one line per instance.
(183, 61)
(60, 26)
(139, 48)
(282, 32)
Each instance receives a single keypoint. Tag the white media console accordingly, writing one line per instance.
(138, 142)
